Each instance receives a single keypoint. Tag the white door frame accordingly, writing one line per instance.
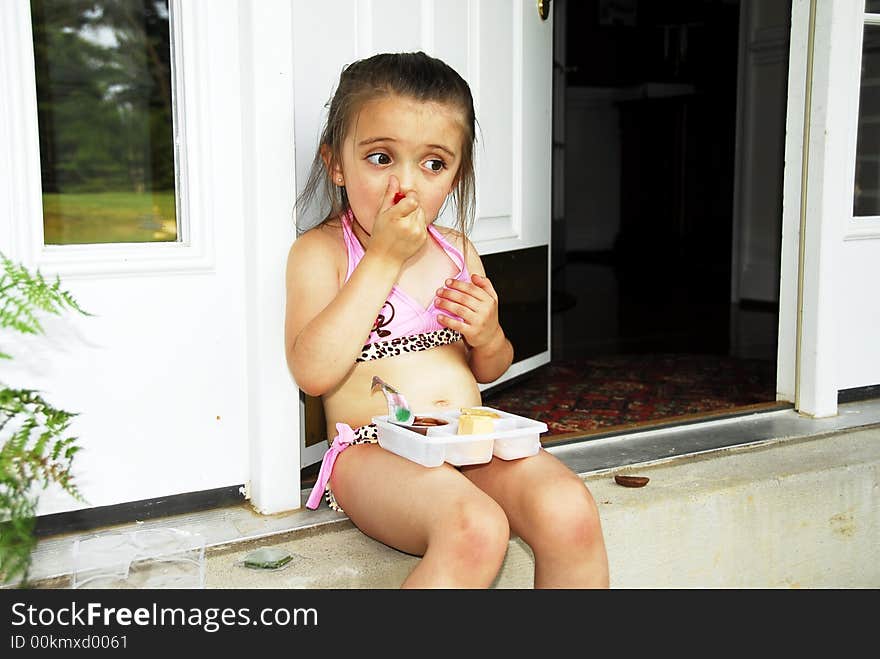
(820, 144)
(267, 96)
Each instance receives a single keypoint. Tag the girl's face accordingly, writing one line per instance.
(418, 142)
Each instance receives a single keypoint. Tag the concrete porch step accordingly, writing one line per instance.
(787, 514)
(773, 500)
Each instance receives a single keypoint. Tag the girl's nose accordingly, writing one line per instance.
(407, 178)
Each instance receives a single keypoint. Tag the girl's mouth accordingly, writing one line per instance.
(397, 197)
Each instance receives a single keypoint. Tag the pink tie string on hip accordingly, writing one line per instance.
(344, 438)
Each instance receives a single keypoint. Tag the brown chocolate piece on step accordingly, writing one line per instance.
(631, 481)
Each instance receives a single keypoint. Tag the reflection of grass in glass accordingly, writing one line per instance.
(109, 217)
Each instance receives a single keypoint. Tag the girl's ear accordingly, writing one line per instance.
(334, 170)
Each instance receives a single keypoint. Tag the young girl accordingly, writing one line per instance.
(377, 290)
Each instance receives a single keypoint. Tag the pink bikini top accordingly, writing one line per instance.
(404, 325)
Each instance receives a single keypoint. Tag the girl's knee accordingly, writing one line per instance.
(566, 515)
(477, 530)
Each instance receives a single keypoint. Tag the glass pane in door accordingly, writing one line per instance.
(104, 103)
(866, 196)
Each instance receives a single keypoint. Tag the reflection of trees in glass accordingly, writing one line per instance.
(104, 94)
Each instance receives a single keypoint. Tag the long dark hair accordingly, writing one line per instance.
(413, 75)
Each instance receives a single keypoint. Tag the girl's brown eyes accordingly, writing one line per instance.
(433, 164)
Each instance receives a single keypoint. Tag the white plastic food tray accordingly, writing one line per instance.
(513, 437)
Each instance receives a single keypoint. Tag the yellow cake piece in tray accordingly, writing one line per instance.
(475, 424)
(473, 411)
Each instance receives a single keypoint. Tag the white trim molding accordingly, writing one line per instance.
(194, 251)
(269, 191)
(793, 186)
(832, 120)
(21, 200)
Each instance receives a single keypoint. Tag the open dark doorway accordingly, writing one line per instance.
(668, 141)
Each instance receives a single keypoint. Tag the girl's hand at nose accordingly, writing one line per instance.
(400, 229)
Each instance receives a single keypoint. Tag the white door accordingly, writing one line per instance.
(829, 307)
(172, 375)
(504, 50)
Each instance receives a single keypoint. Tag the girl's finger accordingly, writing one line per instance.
(451, 323)
(394, 196)
(460, 310)
(463, 299)
(392, 189)
(485, 284)
(467, 288)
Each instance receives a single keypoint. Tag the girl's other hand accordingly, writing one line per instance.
(400, 229)
(476, 303)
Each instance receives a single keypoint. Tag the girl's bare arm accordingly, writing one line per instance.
(326, 325)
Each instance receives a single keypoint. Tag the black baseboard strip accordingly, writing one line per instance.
(94, 518)
(858, 393)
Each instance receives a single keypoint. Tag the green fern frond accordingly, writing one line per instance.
(36, 448)
(23, 293)
(17, 539)
(37, 426)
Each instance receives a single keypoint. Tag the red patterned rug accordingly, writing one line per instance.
(619, 390)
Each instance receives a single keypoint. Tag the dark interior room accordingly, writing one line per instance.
(650, 321)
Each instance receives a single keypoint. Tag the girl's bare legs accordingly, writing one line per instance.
(551, 509)
(461, 532)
